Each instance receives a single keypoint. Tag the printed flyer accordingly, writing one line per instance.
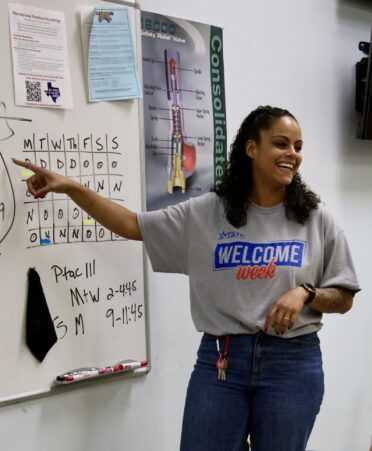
(111, 62)
(184, 108)
(40, 60)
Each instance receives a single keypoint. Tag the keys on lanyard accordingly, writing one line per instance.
(221, 363)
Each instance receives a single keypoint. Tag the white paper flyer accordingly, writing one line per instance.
(40, 58)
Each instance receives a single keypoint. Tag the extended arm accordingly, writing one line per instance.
(114, 217)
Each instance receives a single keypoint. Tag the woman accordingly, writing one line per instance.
(264, 262)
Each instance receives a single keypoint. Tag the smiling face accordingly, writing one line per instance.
(276, 157)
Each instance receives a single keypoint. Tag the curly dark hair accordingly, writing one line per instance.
(236, 183)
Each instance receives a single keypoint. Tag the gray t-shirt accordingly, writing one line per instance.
(236, 275)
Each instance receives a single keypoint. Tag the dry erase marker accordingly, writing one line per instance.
(62, 377)
(125, 365)
(73, 378)
(85, 373)
(129, 361)
(89, 373)
(106, 370)
(78, 377)
(95, 372)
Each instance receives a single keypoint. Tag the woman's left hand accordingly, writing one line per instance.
(284, 312)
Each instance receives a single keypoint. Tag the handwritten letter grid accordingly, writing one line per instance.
(94, 161)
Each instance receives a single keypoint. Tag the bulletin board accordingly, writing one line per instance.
(93, 280)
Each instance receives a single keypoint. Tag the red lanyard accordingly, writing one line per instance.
(227, 344)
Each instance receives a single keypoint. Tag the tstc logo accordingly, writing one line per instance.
(223, 235)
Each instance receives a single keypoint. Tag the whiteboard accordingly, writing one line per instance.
(93, 281)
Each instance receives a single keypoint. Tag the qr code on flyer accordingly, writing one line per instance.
(33, 91)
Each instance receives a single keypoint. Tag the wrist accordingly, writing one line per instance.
(310, 292)
(71, 186)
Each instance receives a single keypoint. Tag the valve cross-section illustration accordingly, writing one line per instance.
(182, 156)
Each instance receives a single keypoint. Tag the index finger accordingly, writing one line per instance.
(28, 165)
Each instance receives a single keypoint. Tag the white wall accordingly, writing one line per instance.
(299, 54)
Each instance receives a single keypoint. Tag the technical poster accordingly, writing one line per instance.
(184, 108)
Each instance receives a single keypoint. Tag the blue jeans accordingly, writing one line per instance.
(273, 391)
